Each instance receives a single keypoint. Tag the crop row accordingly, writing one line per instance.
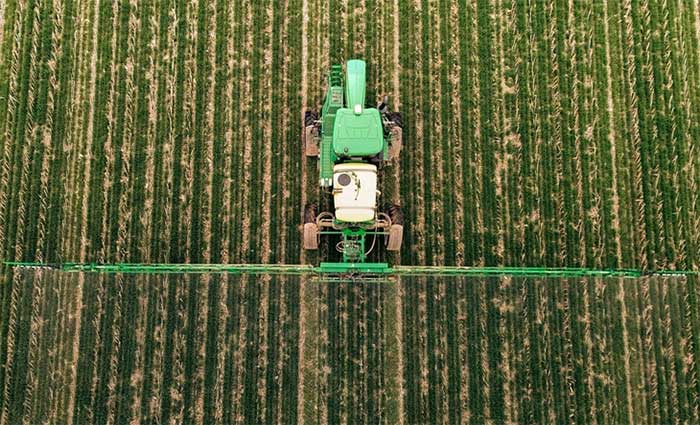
(92, 349)
(551, 351)
(537, 134)
(224, 349)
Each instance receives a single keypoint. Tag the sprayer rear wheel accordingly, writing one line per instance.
(310, 236)
(393, 241)
(395, 238)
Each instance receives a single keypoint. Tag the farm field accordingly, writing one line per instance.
(560, 133)
(536, 134)
(232, 349)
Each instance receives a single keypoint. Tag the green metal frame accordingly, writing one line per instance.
(361, 270)
(357, 236)
(333, 102)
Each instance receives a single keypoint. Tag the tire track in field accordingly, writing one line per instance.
(155, 354)
(224, 312)
(95, 355)
(523, 357)
(211, 365)
(612, 137)
(650, 361)
(463, 342)
(10, 349)
(434, 196)
(453, 135)
(266, 117)
(107, 153)
(418, 204)
(187, 128)
(505, 334)
(623, 162)
(483, 355)
(578, 93)
(477, 171)
(393, 338)
(27, 133)
(695, 176)
(136, 377)
(282, 193)
(57, 341)
(693, 339)
(106, 397)
(264, 329)
(590, 146)
(2, 23)
(358, 29)
(47, 128)
(588, 347)
(305, 300)
(274, 290)
(151, 75)
(558, 131)
(264, 346)
(75, 133)
(209, 134)
(226, 217)
(536, 213)
(668, 353)
(497, 121)
(398, 304)
(624, 317)
(236, 325)
(238, 85)
(121, 362)
(163, 194)
(75, 349)
(686, 148)
(395, 97)
(31, 379)
(637, 173)
(174, 410)
(668, 173)
(246, 137)
(24, 129)
(645, 382)
(131, 60)
(61, 168)
(198, 344)
(650, 137)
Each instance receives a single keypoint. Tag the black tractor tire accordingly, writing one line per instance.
(395, 213)
(310, 117)
(310, 213)
(395, 238)
(310, 237)
(377, 160)
(396, 118)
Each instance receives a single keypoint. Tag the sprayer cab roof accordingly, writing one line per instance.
(358, 132)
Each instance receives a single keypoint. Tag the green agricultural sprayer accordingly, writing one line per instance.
(353, 142)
